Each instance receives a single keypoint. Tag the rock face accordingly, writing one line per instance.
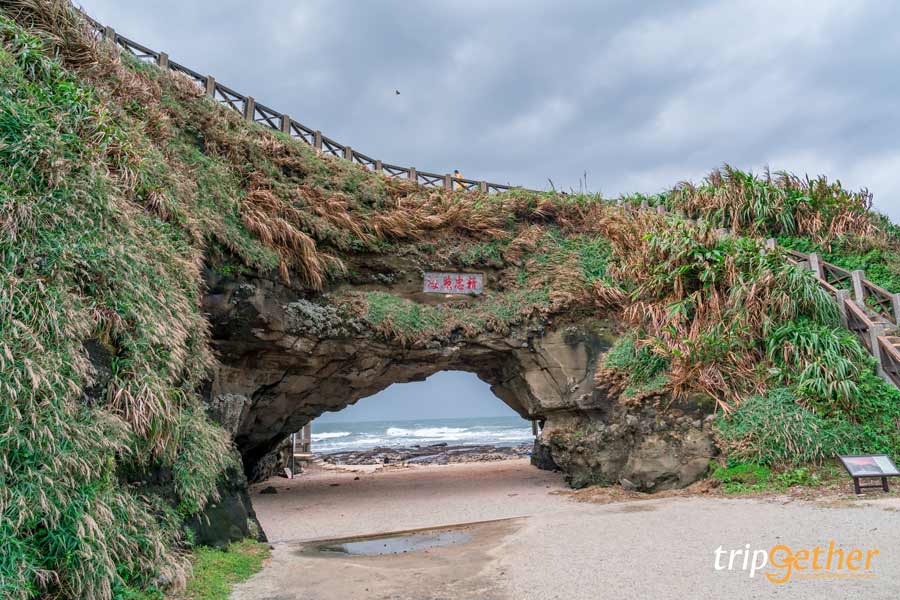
(641, 448)
(286, 358)
(230, 519)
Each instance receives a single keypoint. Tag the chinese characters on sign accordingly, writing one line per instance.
(454, 283)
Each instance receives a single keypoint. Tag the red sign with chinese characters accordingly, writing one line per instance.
(454, 283)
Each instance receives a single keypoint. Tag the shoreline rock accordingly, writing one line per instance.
(433, 454)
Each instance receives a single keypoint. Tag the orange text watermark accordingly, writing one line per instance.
(782, 563)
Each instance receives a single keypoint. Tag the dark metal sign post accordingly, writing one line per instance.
(870, 466)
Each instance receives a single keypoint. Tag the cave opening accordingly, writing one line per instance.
(453, 410)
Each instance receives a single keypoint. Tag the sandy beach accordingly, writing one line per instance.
(522, 535)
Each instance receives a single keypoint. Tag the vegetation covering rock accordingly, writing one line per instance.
(131, 206)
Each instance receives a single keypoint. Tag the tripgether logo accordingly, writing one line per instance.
(785, 563)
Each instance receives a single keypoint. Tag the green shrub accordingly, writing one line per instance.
(775, 429)
(645, 370)
(822, 363)
(798, 476)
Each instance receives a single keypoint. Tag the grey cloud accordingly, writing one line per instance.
(638, 94)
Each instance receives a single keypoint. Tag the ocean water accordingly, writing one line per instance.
(364, 435)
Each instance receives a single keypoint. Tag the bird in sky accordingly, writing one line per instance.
(397, 92)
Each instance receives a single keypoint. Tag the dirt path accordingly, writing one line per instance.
(551, 546)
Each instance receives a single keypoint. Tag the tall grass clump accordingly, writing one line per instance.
(780, 204)
(774, 429)
(707, 303)
(85, 264)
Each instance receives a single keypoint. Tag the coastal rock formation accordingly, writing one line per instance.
(286, 358)
(432, 454)
(647, 449)
(230, 518)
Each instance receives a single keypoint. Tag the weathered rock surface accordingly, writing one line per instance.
(231, 518)
(286, 358)
(644, 448)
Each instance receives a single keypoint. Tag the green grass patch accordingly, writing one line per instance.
(745, 478)
(215, 572)
(406, 320)
(645, 371)
(742, 477)
(775, 429)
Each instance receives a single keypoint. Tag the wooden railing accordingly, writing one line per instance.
(873, 313)
(866, 309)
(268, 117)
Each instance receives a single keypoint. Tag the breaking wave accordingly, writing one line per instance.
(424, 432)
(497, 431)
(329, 435)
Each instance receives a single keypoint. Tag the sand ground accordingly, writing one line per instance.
(540, 543)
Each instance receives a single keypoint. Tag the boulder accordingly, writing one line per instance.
(231, 518)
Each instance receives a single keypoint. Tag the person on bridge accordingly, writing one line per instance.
(458, 175)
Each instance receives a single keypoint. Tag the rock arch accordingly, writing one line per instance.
(286, 357)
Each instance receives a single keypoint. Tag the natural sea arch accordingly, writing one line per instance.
(287, 357)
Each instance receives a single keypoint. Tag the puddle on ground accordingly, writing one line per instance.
(395, 544)
(411, 541)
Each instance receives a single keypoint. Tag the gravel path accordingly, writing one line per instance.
(555, 547)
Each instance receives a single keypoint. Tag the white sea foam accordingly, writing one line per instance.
(424, 432)
(329, 435)
(366, 435)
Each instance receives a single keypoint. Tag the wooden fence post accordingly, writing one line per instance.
(876, 331)
(895, 305)
(448, 181)
(285, 124)
(317, 141)
(306, 438)
(249, 108)
(348, 153)
(109, 34)
(815, 265)
(163, 60)
(842, 297)
(483, 187)
(378, 166)
(413, 176)
(210, 86)
(858, 294)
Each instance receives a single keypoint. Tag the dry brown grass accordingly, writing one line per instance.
(57, 22)
(780, 204)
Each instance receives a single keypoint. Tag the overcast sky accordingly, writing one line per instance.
(640, 95)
